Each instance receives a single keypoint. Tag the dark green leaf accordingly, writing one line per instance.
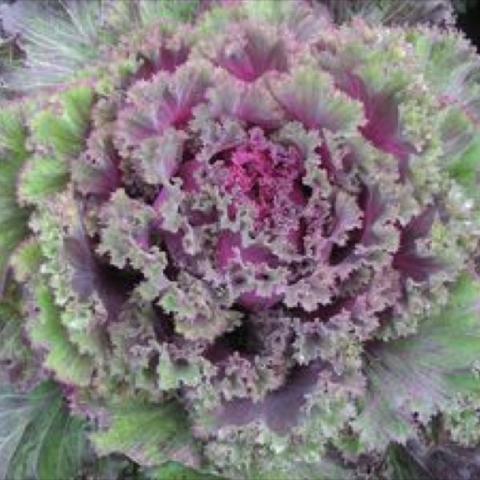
(406, 466)
(39, 440)
(13, 218)
(150, 434)
(176, 471)
(422, 374)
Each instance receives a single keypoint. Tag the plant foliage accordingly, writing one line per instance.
(239, 239)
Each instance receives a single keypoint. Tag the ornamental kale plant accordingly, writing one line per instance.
(239, 240)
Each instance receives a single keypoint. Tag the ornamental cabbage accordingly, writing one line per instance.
(244, 238)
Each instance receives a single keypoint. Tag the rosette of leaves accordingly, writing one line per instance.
(245, 238)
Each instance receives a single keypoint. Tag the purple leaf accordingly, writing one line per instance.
(407, 260)
(280, 409)
(163, 58)
(373, 209)
(251, 55)
(381, 112)
(164, 101)
(90, 275)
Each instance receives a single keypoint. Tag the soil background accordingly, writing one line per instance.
(469, 22)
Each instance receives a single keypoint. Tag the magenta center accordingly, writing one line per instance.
(267, 177)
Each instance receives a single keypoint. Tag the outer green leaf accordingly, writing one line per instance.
(18, 363)
(64, 39)
(150, 434)
(424, 373)
(59, 37)
(63, 357)
(39, 440)
(13, 218)
(393, 12)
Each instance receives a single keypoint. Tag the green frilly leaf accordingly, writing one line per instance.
(60, 38)
(13, 218)
(48, 332)
(27, 259)
(405, 466)
(41, 178)
(65, 133)
(19, 366)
